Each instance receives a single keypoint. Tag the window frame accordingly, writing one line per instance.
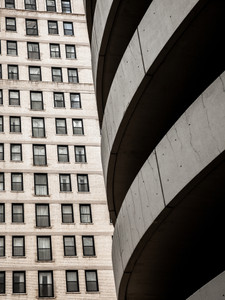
(13, 75)
(43, 128)
(85, 214)
(32, 6)
(6, 4)
(34, 156)
(69, 54)
(66, 9)
(63, 214)
(14, 247)
(12, 27)
(59, 101)
(86, 183)
(2, 248)
(80, 158)
(12, 49)
(31, 30)
(10, 98)
(74, 290)
(2, 215)
(72, 101)
(48, 215)
(65, 31)
(81, 128)
(86, 281)
(57, 127)
(68, 185)
(36, 185)
(17, 153)
(1, 96)
(31, 76)
(39, 284)
(56, 52)
(24, 282)
(2, 284)
(1, 124)
(66, 246)
(54, 10)
(21, 182)
(2, 152)
(59, 155)
(86, 248)
(56, 77)
(34, 101)
(13, 213)
(71, 77)
(49, 249)
(33, 53)
(13, 126)
(2, 181)
(56, 29)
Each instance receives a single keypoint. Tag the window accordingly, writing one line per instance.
(67, 213)
(59, 100)
(9, 3)
(88, 245)
(69, 246)
(78, 126)
(53, 27)
(41, 184)
(39, 155)
(14, 97)
(2, 182)
(2, 246)
(16, 181)
(75, 101)
(1, 124)
(44, 251)
(18, 246)
(91, 279)
(1, 151)
(2, 211)
(17, 213)
(45, 284)
(65, 183)
(82, 181)
(2, 282)
(33, 50)
(35, 73)
(60, 126)
(16, 152)
(31, 27)
(66, 7)
(55, 50)
(36, 101)
(1, 97)
(0, 71)
(57, 74)
(42, 215)
(73, 76)
(13, 72)
(72, 284)
(85, 213)
(15, 124)
(50, 4)
(68, 28)
(30, 4)
(70, 51)
(80, 154)
(10, 24)
(19, 282)
(11, 48)
(63, 154)
(38, 127)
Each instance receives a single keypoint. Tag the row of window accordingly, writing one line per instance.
(35, 74)
(50, 5)
(36, 99)
(42, 213)
(40, 155)
(32, 26)
(41, 183)
(45, 282)
(38, 126)
(33, 50)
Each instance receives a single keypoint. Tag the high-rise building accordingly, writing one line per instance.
(55, 230)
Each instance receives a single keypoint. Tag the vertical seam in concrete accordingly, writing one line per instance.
(141, 50)
(160, 179)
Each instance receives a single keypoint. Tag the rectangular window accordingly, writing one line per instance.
(0, 71)
(1, 151)
(61, 127)
(44, 249)
(75, 101)
(35, 73)
(2, 282)
(41, 184)
(18, 246)
(10, 24)
(1, 124)
(33, 51)
(2, 211)
(66, 6)
(9, 3)
(65, 183)
(80, 154)
(85, 213)
(11, 48)
(38, 128)
(70, 51)
(50, 5)
(72, 284)
(63, 153)
(73, 76)
(82, 181)
(2, 246)
(16, 181)
(36, 101)
(13, 72)
(78, 126)
(69, 246)
(57, 74)
(53, 27)
(59, 100)
(30, 4)
(1, 97)
(17, 213)
(88, 246)
(16, 152)
(31, 27)
(68, 28)
(67, 213)
(42, 215)
(55, 50)
(91, 279)
(14, 97)
(19, 282)
(45, 284)
(39, 155)
(15, 124)
(2, 182)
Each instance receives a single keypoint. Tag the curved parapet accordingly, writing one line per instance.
(167, 239)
